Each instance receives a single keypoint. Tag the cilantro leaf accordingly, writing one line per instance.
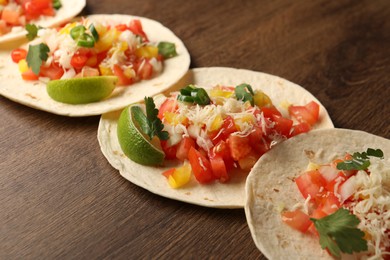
(360, 161)
(150, 124)
(32, 31)
(35, 55)
(245, 93)
(339, 233)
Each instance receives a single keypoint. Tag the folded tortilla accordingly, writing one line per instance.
(270, 187)
(33, 93)
(218, 195)
(69, 9)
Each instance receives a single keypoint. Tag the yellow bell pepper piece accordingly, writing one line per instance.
(180, 176)
(105, 71)
(261, 99)
(219, 92)
(22, 65)
(147, 52)
(106, 40)
(67, 28)
(175, 119)
(217, 123)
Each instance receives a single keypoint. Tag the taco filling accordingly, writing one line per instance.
(217, 130)
(347, 204)
(86, 49)
(15, 14)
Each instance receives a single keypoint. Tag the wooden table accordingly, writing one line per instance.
(60, 198)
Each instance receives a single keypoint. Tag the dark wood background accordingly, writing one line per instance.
(59, 197)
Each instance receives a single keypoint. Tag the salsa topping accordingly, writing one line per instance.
(16, 13)
(222, 128)
(346, 204)
(85, 48)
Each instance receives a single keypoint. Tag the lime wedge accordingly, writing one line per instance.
(135, 144)
(81, 90)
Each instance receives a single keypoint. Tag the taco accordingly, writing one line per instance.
(219, 123)
(322, 195)
(15, 14)
(145, 56)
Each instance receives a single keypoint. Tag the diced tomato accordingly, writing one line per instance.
(300, 128)
(228, 127)
(29, 75)
(11, 15)
(34, 8)
(222, 149)
(201, 166)
(282, 125)
(336, 182)
(305, 114)
(258, 142)
(123, 80)
(78, 60)
(169, 105)
(170, 151)
(169, 172)
(121, 27)
(18, 54)
(184, 148)
(54, 71)
(311, 183)
(248, 161)
(268, 112)
(330, 203)
(239, 146)
(135, 27)
(144, 70)
(219, 168)
(297, 220)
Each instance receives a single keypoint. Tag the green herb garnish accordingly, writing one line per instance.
(192, 94)
(150, 124)
(32, 31)
(360, 161)
(167, 49)
(57, 4)
(245, 93)
(36, 55)
(339, 233)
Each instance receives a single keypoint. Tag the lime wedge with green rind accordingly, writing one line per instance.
(81, 90)
(135, 144)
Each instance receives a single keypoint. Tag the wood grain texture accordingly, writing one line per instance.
(59, 197)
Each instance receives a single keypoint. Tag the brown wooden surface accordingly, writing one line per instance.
(60, 198)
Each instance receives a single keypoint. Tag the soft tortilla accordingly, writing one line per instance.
(229, 195)
(270, 186)
(69, 9)
(34, 93)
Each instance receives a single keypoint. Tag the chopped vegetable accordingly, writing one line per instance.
(32, 31)
(193, 94)
(36, 55)
(167, 49)
(245, 93)
(360, 161)
(57, 4)
(339, 233)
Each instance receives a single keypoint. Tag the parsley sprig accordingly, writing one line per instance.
(32, 31)
(150, 124)
(245, 93)
(36, 55)
(360, 161)
(339, 233)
